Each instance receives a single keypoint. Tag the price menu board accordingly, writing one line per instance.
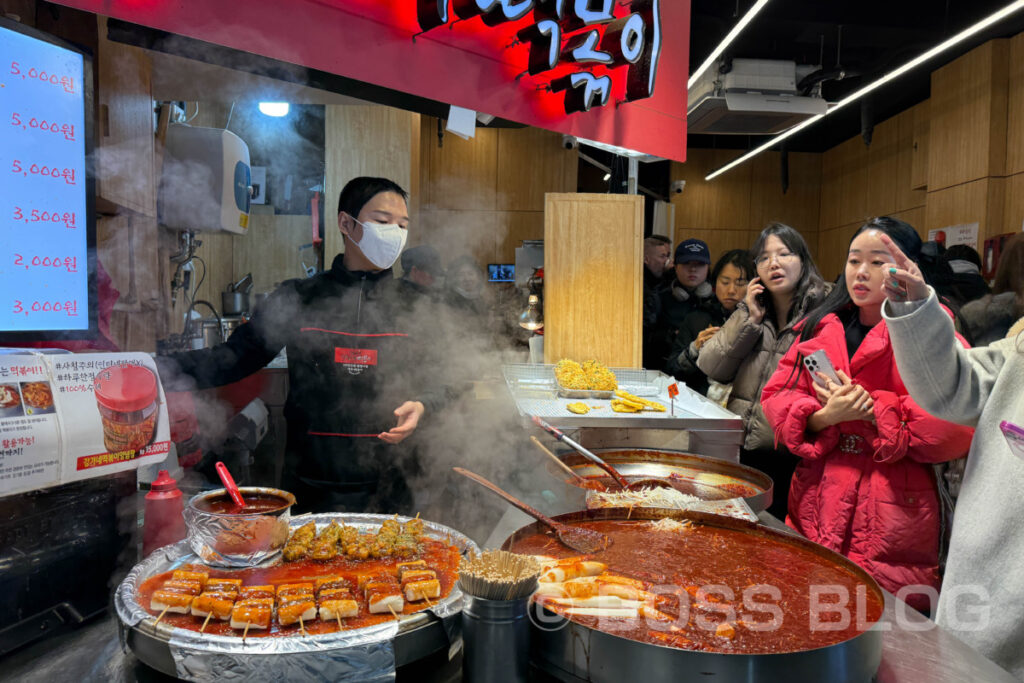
(45, 193)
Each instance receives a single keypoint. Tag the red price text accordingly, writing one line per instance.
(68, 307)
(34, 74)
(65, 129)
(68, 262)
(67, 218)
(67, 174)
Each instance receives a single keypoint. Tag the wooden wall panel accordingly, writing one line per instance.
(916, 218)
(363, 140)
(982, 201)
(593, 257)
(967, 138)
(799, 206)
(844, 184)
(518, 226)
(722, 203)
(907, 196)
(463, 173)
(921, 115)
(1015, 108)
(125, 173)
(530, 163)
(1014, 213)
(485, 195)
(833, 247)
(271, 250)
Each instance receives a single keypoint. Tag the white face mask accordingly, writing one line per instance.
(382, 243)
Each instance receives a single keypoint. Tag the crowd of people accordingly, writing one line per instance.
(926, 361)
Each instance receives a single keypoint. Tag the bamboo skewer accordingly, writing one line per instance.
(245, 632)
(340, 627)
(161, 615)
(546, 451)
(302, 627)
(499, 575)
(393, 613)
(207, 621)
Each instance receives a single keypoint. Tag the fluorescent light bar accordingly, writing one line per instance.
(742, 24)
(917, 61)
(274, 108)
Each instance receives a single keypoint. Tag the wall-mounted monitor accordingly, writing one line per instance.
(47, 222)
(501, 272)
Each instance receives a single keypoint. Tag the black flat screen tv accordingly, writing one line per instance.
(47, 188)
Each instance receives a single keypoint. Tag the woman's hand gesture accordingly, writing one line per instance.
(845, 402)
(904, 282)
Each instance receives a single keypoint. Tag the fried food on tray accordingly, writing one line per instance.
(393, 539)
(578, 408)
(642, 403)
(590, 376)
(620, 406)
(252, 613)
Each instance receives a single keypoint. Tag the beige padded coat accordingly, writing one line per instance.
(746, 355)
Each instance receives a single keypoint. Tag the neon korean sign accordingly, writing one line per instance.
(577, 45)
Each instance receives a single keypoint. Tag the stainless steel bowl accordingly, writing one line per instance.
(237, 540)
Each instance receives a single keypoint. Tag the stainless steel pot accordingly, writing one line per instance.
(697, 475)
(234, 303)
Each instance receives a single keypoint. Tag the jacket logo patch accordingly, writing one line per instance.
(355, 359)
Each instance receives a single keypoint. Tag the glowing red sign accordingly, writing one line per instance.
(595, 36)
(529, 61)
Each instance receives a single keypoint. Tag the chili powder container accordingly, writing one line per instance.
(127, 397)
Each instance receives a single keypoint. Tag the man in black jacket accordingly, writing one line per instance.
(357, 362)
(657, 265)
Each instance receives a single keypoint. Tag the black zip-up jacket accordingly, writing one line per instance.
(357, 349)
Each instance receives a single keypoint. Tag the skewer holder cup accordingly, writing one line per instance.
(496, 634)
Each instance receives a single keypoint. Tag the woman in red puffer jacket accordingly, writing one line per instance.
(865, 485)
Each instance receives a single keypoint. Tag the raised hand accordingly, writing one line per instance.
(905, 281)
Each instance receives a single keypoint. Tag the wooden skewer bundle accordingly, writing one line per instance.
(499, 575)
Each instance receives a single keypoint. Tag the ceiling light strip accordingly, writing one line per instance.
(742, 24)
(917, 61)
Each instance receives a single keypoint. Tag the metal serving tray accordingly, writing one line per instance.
(536, 392)
(365, 654)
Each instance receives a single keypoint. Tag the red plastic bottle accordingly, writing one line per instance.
(163, 523)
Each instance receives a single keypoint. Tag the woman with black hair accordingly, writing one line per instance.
(865, 485)
(729, 278)
(746, 351)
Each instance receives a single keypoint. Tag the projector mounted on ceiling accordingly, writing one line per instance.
(754, 97)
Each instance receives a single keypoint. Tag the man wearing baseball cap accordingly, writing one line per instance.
(689, 289)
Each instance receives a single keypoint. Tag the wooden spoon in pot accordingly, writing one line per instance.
(581, 540)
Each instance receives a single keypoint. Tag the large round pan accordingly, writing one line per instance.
(696, 475)
(369, 653)
(572, 652)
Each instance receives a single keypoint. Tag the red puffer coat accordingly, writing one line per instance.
(866, 491)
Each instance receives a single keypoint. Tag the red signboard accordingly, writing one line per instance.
(613, 71)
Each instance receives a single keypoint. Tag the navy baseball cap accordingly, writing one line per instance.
(692, 250)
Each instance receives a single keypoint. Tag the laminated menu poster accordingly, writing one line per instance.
(74, 416)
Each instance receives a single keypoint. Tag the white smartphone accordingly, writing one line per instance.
(819, 362)
(1014, 437)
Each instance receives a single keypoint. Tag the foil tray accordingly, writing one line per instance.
(365, 654)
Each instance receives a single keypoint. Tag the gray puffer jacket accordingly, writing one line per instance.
(746, 354)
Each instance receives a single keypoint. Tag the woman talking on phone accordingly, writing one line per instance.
(865, 486)
(982, 598)
(747, 348)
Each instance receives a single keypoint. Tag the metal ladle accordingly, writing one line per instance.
(636, 485)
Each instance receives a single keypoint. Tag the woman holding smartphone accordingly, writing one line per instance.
(982, 597)
(865, 486)
(746, 350)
